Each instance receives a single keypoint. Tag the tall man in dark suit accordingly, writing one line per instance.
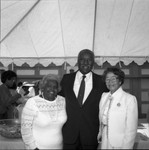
(81, 129)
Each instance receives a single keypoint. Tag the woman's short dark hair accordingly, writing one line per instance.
(7, 75)
(117, 71)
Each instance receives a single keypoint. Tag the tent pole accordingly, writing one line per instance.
(12, 66)
(94, 29)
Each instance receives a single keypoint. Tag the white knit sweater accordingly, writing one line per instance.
(42, 121)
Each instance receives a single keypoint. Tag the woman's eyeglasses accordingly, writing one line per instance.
(112, 79)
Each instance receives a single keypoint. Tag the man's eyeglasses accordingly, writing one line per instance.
(112, 79)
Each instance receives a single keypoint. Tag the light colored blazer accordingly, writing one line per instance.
(122, 118)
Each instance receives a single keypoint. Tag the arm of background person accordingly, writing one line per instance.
(6, 98)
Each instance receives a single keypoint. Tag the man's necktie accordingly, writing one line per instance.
(81, 90)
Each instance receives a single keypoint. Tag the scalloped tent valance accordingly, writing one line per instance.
(45, 31)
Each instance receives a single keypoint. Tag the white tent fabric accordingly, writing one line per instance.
(45, 31)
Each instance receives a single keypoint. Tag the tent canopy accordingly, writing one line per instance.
(45, 31)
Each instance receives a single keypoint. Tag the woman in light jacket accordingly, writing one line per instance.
(118, 113)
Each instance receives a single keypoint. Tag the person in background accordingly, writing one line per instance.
(29, 88)
(71, 70)
(20, 83)
(118, 113)
(81, 129)
(43, 116)
(36, 86)
(12, 111)
(7, 99)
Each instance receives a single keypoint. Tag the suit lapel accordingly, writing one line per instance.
(71, 93)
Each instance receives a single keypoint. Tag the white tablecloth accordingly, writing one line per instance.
(11, 144)
(142, 138)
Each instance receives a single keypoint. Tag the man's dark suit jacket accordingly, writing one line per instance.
(81, 120)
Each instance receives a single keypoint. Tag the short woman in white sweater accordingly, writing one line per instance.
(43, 117)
